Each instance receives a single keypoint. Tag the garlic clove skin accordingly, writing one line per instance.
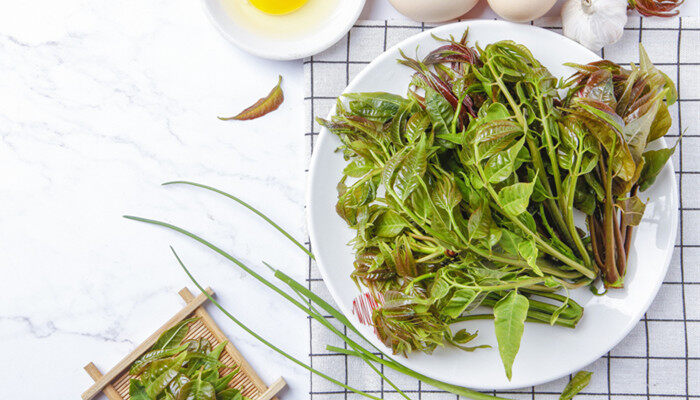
(594, 23)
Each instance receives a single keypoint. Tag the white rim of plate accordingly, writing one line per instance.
(260, 52)
(323, 134)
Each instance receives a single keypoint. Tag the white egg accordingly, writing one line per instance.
(521, 10)
(433, 10)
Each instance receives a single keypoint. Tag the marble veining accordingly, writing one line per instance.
(100, 102)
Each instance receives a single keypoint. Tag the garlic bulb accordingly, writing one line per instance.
(594, 23)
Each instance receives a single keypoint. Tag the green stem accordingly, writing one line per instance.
(472, 317)
(418, 279)
(248, 206)
(267, 343)
(311, 310)
(550, 148)
(611, 275)
(541, 243)
(569, 210)
(535, 153)
(504, 286)
(569, 229)
(324, 305)
(430, 381)
(456, 228)
(519, 263)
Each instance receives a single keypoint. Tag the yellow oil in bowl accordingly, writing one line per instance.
(280, 19)
(278, 7)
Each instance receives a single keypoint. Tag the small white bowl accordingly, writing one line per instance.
(314, 39)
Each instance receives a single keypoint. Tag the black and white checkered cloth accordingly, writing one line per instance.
(660, 358)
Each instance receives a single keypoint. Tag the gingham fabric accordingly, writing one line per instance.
(660, 358)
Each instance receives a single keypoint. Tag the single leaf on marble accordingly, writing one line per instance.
(261, 107)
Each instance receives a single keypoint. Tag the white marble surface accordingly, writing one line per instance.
(100, 102)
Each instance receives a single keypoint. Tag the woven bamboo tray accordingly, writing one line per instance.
(115, 383)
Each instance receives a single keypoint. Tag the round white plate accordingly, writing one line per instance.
(317, 33)
(546, 352)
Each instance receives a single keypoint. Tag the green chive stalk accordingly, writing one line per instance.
(324, 305)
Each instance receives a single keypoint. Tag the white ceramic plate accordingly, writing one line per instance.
(312, 35)
(546, 353)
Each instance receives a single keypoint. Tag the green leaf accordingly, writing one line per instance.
(197, 389)
(358, 168)
(479, 224)
(584, 198)
(358, 195)
(462, 336)
(229, 394)
(658, 77)
(577, 383)
(398, 124)
(416, 126)
(404, 262)
(509, 321)
(636, 131)
(161, 382)
(261, 107)
(595, 186)
(439, 110)
(662, 123)
(606, 126)
(510, 242)
(600, 88)
(495, 136)
(173, 336)
(157, 367)
(445, 193)
(223, 382)
(390, 224)
(529, 221)
(216, 351)
(460, 300)
(199, 360)
(142, 363)
(387, 103)
(200, 346)
(528, 250)
(137, 391)
(550, 282)
(408, 173)
(539, 193)
(215, 354)
(177, 384)
(632, 210)
(495, 234)
(501, 165)
(493, 112)
(439, 289)
(210, 375)
(515, 198)
(601, 112)
(654, 161)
